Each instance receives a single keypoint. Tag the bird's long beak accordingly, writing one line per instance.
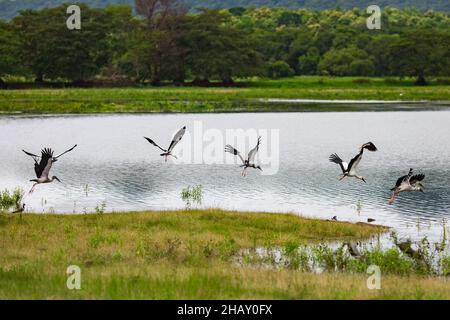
(57, 179)
(363, 180)
(54, 159)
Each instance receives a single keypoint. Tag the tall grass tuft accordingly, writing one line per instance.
(192, 195)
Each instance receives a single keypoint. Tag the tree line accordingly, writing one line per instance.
(164, 41)
(9, 8)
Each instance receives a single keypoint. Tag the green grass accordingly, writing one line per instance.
(236, 99)
(180, 255)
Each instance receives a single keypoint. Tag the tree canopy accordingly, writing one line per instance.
(9, 9)
(166, 42)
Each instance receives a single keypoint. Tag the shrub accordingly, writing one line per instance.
(279, 69)
(9, 199)
(192, 195)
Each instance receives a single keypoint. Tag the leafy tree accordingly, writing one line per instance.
(421, 53)
(307, 64)
(217, 50)
(160, 32)
(50, 49)
(121, 26)
(378, 48)
(347, 62)
(279, 69)
(9, 48)
(289, 18)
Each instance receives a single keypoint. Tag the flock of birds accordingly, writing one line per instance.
(409, 182)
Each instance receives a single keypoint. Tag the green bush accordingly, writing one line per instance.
(10, 200)
(279, 69)
(192, 195)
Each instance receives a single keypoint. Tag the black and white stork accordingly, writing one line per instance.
(407, 182)
(42, 168)
(19, 208)
(349, 170)
(250, 161)
(176, 138)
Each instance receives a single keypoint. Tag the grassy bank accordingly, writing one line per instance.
(194, 99)
(180, 254)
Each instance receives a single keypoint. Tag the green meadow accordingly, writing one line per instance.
(245, 97)
(188, 254)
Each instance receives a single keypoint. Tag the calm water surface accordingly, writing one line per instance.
(115, 165)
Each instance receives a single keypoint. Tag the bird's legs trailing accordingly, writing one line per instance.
(166, 156)
(392, 198)
(32, 188)
(244, 172)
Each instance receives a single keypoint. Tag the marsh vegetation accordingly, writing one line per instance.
(192, 255)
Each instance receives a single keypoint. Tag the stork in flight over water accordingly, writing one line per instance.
(408, 182)
(42, 168)
(250, 161)
(349, 170)
(176, 138)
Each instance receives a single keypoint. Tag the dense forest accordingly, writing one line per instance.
(166, 42)
(10, 8)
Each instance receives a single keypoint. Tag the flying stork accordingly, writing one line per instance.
(172, 145)
(250, 161)
(407, 182)
(349, 170)
(42, 168)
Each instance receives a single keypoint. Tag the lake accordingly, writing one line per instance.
(113, 164)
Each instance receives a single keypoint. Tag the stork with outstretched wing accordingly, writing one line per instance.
(350, 169)
(176, 138)
(250, 161)
(408, 183)
(43, 166)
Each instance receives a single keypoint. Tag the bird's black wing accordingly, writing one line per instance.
(176, 138)
(402, 178)
(252, 153)
(369, 146)
(59, 155)
(154, 143)
(416, 178)
(46, 154)
(355, 161)
(230, 149)
(35, 157)
(336, 159)
(399, 182)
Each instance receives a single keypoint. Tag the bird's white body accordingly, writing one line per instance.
(350, 169)
(352, 173)
(250, 161)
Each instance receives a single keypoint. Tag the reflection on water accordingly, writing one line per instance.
(114, 164)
